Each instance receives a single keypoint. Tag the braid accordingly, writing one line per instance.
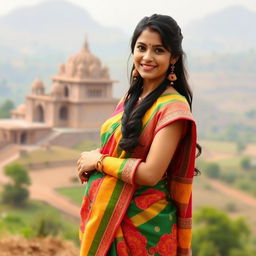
(132, 116)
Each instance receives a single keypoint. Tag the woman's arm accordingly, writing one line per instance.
(148, 172)
(160, 154)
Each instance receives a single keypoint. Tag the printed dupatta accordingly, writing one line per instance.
(114, 190)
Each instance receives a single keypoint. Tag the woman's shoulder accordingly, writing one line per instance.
(171, 95)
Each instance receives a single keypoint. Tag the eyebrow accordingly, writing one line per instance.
(156, 45)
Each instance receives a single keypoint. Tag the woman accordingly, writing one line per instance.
(138, 201)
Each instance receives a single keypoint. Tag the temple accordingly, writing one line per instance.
(80, 98)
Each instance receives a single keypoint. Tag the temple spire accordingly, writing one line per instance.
(86, 45)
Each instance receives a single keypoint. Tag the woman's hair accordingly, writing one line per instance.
(171, 37)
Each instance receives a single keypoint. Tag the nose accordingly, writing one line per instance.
(148, 56)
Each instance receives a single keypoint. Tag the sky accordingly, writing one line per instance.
(126, 14)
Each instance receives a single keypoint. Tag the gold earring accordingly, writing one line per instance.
(135, 75)
(172, 76)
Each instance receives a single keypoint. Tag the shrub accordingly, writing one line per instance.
(16, 193)
(246, 163)
(213, 170)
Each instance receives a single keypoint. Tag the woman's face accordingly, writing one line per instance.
(150, 58)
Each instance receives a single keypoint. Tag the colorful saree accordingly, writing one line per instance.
(119, 217)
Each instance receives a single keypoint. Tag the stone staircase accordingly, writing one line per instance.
(69, 137)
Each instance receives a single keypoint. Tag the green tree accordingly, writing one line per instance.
(16, 192)
(213, 170)
(6, 108)
(246, 163)
(18, 174)
(220, 234)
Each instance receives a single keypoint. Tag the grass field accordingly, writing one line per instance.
(52, 155)
(75, 194)
(25, 220)
(219, 146)
(86, 145)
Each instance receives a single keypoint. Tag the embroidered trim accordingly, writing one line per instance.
(185, 223)
(174, 115)
(129, 169)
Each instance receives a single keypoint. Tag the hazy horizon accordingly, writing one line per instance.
(118, 13)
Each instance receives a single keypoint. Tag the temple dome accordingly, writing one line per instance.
(38, 86)
(57, 89)
(83, 65)
(21, 109)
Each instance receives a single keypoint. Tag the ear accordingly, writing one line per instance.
(173, 60)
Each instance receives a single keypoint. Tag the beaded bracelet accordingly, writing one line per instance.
(99, 164)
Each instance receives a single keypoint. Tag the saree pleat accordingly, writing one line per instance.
(121, 218)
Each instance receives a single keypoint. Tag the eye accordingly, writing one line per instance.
(141, 48)
(159, 50)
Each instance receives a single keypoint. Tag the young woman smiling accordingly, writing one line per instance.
(139, 183)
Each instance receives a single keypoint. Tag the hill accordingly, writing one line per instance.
(228, 30)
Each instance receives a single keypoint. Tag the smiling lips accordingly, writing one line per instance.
(148, 67)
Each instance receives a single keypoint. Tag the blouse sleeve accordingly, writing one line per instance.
(123, 169)
(181, 170)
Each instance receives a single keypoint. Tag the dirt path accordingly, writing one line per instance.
(237, 194)
(44, 183)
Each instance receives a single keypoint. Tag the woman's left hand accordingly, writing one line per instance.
(87, 162)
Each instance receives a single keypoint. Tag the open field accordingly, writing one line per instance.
(73, 193)
(205, 194)
(26, 219)
(52, 154)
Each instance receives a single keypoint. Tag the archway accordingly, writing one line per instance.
(63, 114)
(23, 138)
(66, 91)
(39, 114)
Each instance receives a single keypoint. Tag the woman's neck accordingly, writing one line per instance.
(149, 86)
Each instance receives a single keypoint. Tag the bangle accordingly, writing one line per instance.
(99, 164)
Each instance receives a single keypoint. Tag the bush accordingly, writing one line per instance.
(231, 207)
(229, 177)
(246, 163)
(15, 195)
(213, 170)
(18, 174)
(45, 225)
(222, 234)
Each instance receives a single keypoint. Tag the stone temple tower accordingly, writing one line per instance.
(80, 96)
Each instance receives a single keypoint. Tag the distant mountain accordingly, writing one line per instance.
(229, 30)
(58, 25)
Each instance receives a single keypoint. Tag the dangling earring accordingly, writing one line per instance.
(172, 76)
(135, 75)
